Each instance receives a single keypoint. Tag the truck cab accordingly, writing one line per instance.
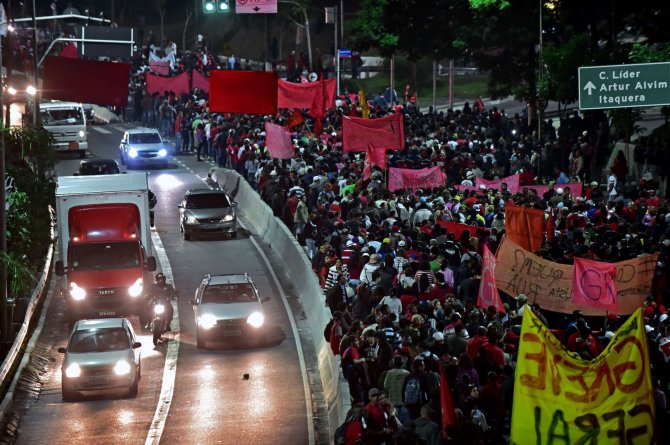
(105, 260)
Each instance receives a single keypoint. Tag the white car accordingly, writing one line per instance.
(101, 354)
(228, 307)
(143, 146)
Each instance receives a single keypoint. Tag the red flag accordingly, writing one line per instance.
(387, 132)
(88, 81)
(295, 119)
(525, 226)
(593, 284)
(278, 141)
(488, 291)
(448, 413)
(318, 108)
(70, 50)
(550, 227)
(301, 95)
(159, 84)
(252, 92)
(200, 81)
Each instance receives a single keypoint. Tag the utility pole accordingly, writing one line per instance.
(36, 97)
(4, 331)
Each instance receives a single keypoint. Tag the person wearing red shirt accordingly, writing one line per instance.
(583, 343)
(374, 412)
(478, 340)
(494, 352)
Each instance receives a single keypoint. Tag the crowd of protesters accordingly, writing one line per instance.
(402, 290)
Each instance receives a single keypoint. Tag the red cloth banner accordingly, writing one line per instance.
(525, 226)
(404, 178)
(457, 228)
(301, 95)
(446, 402)
(593, 284)
(200, 81)
(488, 291)
(278, 140)
(387, 132)
(576, 188)
(251, 92)
(177, 84)
(87, 81)
(160, 67)
(511, 181)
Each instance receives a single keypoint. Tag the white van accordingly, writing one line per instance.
(66, 121)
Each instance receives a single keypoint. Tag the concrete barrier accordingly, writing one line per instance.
(259, 218)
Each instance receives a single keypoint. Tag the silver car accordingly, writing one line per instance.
(207, 211)
(143, 146)
(228, 307)
(101, 354)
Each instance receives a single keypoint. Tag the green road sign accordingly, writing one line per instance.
(624, 86)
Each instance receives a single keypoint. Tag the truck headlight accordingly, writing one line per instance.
(228, 218)
(132, 152)
(11, 90)
(76, 292)
(136, 289)
(162, 153)
(256, 319)
(190, 219)
(159, 309)
(122, 367)
(31, 90)
(82, 133)
(207, 321)
(73, 371)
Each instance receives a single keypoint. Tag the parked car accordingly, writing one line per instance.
(228, 307)
(102, 354)
(207, 211)
(143, 146)
(99, 166)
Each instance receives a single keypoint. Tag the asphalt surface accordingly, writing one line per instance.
(213, 402)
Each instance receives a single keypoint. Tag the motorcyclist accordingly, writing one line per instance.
(161, 292)
(152, 203)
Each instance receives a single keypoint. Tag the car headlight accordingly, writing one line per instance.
(162, 153)
(136, 289)
(256, 319)
(207, 321)
(76, 292)
(228, 218)
(190, 219)
(73, 371)
(11, 90)
(31, 90)
(82, 133)
(122, 367)
(159, 309)
(132, 152)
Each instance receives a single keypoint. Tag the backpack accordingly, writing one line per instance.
(412, 393)
(340, 434)
(327, 329)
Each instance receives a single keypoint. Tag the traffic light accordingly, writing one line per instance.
(222, 6)
(208, 6)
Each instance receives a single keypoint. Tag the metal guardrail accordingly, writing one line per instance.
(9, 366)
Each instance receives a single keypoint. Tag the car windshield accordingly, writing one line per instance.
(144, 138)
(99, 340)
(104, 256)
(62, 116)
(204, 201)
(229, 293)
(98, 169)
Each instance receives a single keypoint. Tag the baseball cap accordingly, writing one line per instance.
(373, 392)
(559, 191)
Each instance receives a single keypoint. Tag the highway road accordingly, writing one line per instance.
(186, 395)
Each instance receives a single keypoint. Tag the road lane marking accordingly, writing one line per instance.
(170, 368)
(101, 130)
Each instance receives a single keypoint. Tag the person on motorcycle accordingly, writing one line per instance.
(161, 292)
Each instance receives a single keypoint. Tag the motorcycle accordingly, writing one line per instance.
(161, 318)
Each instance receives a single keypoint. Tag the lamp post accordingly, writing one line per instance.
(3, 218)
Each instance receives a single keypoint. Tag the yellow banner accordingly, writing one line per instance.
(561, 399)
(549, 284)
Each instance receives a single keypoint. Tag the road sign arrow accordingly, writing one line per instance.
(256, 8)
(589, 87)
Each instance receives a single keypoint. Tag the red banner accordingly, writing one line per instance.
(525, 226)
(161, 67)
(87, 81)
(488, 291)
(177, 84)
(511, 181)
(457, 228)
(252, 92)
(200, 81)
(301, 95)
(576, 188)
(386, 132)
(278, 140)
(404, 178)
(593, 284)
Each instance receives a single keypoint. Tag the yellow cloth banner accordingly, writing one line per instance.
(363, 102)
(561, 399)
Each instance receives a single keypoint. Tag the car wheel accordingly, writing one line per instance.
(233, 234)
(82, 154)
(69, 395)
(200, 342)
